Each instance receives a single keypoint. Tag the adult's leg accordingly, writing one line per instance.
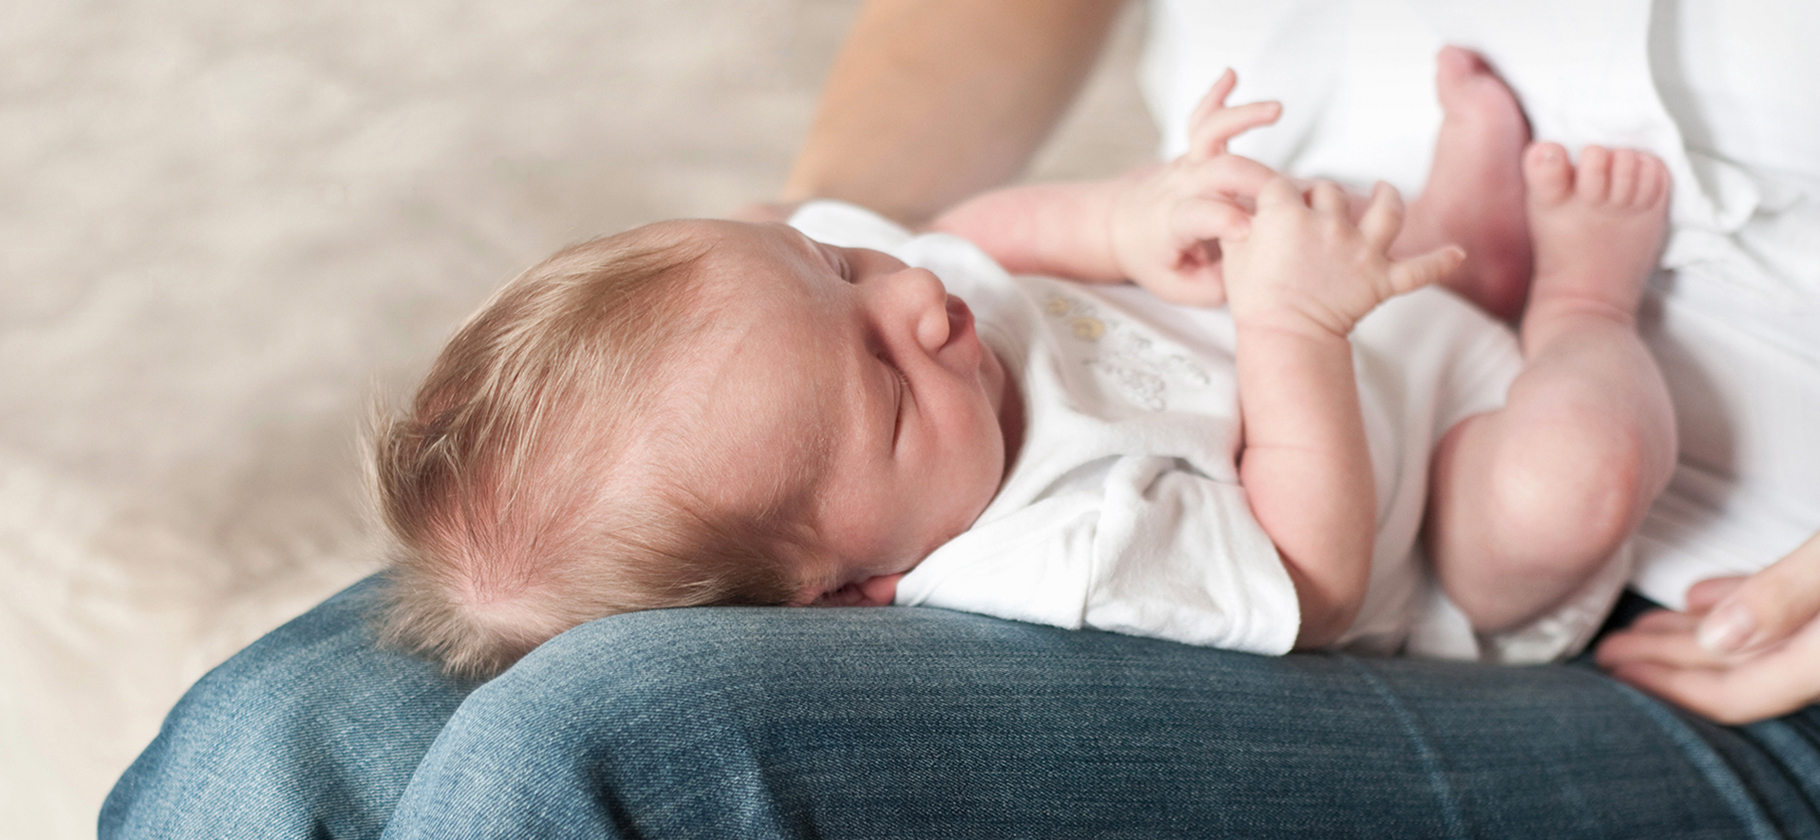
(310, 732)
(914, 722)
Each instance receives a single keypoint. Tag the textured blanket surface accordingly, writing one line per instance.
(226, 225)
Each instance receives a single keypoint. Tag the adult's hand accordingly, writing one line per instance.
(1747, 648)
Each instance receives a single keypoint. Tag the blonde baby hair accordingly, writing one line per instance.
(537, 481)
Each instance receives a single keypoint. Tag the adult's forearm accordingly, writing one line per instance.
(931, 101)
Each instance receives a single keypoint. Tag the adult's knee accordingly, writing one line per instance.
(645, 724)
(311, 729)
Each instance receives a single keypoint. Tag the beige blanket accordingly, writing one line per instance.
(225, 224)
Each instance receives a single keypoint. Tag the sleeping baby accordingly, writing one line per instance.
(838, 412)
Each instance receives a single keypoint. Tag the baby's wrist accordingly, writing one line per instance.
(1282, 318)
(1123, 219)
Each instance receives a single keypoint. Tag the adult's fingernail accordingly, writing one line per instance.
(1726, 630)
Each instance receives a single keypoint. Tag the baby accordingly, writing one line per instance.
(706, 412)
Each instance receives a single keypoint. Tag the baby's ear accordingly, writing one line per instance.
(846, 596)
(875, 591)
(880, 590)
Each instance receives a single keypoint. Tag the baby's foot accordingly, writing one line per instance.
(1598, 226)
(1474, 194)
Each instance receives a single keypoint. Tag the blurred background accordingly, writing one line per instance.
(227, 225)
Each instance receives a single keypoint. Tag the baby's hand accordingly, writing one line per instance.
(1166, 220)
(1304, 265)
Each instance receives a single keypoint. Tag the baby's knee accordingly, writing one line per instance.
(1574, 492)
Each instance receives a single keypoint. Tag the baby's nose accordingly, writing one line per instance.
(926, 301)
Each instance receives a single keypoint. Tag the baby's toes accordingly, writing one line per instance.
(1652, 180)
(1592, 181)
(1624, 164)
(1547, 173)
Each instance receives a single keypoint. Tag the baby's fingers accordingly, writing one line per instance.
(1200, 284)
(1212, 124)
(1229, 176)
(1383, 217)
(1327, 197)
(1279, 193)
(1215, 98)
(1411, 274)
(1208, 136)
(1205, 219)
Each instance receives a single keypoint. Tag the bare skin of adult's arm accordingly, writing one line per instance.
(931, 101)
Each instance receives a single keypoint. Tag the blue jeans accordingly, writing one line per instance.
(925, 723)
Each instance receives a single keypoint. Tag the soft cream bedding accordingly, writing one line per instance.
(225, 223)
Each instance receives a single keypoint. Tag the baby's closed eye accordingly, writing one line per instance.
(900, 385)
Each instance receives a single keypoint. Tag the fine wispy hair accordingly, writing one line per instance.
(537, 479)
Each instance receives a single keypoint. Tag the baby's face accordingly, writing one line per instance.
(846, 369)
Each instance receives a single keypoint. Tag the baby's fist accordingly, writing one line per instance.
(1304, 264)
(1167, 220)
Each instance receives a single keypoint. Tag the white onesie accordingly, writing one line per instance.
(1720, 90)
(1123, 510)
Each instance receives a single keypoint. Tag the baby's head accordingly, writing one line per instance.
(689, 413)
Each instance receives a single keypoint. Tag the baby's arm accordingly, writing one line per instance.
(1156, 225)
(1298, 281)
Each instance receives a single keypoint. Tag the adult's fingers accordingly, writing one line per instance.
(1774, 683)
(1711, 694)
(1665, 621)
(1703, 596)
(1768, 606)
(1636, 645)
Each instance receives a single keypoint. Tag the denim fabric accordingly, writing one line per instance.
(925, 723)
(309, 732)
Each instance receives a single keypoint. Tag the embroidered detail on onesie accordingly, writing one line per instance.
(1122, 356)
(1084, 327)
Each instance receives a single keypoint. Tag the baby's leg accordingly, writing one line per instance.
(1528, 501)
(1474, 194)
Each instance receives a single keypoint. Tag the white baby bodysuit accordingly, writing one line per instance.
(1703, 84)
(1123, 509)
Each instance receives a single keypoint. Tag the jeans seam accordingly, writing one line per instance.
(1705, 759)
(1793, 752)
(1445, 795)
